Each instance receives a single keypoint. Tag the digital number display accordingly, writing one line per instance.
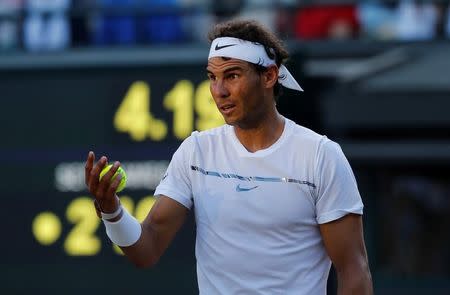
(51, 118)
(82, 239)
(135, 117)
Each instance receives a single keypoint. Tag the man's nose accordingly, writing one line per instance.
(219, 89)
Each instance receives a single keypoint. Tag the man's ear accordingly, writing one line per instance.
(270, 76)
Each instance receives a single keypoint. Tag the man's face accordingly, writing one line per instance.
(237, 90)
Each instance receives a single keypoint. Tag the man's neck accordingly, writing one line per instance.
(263, 134)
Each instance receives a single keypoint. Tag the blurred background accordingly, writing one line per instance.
(126, 78)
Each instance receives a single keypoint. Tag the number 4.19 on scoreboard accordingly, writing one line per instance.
(134, 114)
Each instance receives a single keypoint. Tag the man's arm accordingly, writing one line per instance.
(158, 229)
(344, 243)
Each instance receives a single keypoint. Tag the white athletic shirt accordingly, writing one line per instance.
(257, 214)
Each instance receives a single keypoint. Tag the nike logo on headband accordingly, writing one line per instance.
(224, 46)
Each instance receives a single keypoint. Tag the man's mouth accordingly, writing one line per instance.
(227, 108)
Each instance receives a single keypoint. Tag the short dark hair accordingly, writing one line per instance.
(251, 30)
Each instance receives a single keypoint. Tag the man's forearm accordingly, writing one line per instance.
(355, 282)
(143, 253)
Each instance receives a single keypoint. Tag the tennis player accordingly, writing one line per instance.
(275, 203)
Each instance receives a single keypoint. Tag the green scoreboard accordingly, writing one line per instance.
(52, 114)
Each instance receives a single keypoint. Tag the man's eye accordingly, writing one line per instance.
(233, 76)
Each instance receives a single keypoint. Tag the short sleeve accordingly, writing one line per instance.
(337, 190)
(176, 183)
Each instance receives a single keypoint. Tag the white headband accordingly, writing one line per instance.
(252, 52)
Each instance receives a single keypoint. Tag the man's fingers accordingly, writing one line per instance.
(114, 185)
(103, 190)
(105, 183)
(94, 175)
(110, 202)
(88, 167)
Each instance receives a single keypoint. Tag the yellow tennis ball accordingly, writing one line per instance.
(123, 181)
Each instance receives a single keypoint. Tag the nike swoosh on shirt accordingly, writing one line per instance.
(244, 189)
(224, 46)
